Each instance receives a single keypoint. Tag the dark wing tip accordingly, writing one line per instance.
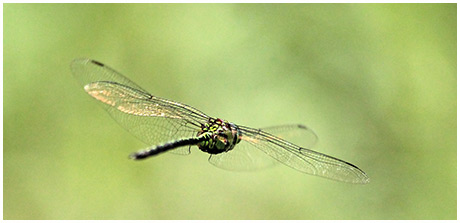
(97, 63)
(85, 61)
(300, 126)
(361, 176)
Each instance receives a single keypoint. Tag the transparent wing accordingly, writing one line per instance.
(151, 119)
(296, 133)
(246, 157)
(302, 159)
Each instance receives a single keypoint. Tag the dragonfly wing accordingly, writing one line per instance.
(88, 71)
(151, 119)
(304, 160)
(296, 133)
(244, 157)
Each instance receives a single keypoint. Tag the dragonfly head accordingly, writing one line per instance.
(221, 136)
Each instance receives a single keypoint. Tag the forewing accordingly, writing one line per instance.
(246, 157)
(152, 119)
(304, 160)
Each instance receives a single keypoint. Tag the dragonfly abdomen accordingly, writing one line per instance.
(152, 151)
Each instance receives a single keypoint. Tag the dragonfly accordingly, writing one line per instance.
(169, 126)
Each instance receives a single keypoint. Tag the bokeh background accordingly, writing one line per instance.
(377, 83)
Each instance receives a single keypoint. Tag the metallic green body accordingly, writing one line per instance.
(221, 136)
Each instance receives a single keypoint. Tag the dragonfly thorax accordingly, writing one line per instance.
(221, 136)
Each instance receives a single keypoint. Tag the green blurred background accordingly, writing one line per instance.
(377, 83)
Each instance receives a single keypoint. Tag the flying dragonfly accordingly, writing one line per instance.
(167, 125)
